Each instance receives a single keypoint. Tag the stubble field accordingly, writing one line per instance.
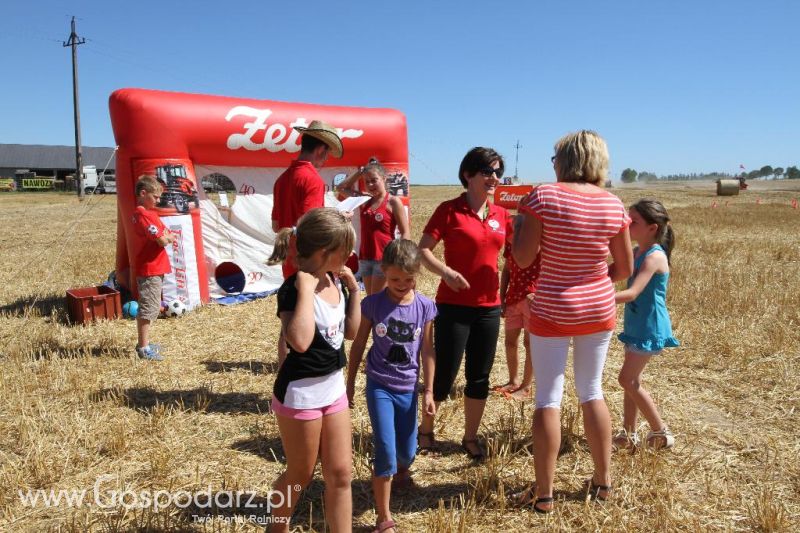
(78, 409)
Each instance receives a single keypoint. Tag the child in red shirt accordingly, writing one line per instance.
(379, 218)
(152, 262)
(516, 289)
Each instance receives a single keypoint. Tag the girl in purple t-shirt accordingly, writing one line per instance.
(401, 322)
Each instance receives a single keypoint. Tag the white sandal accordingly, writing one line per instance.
(625, 441)
(660, 440)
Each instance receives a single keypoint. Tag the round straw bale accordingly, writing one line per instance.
(727, 187)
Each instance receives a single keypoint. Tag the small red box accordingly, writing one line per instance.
(93, 303)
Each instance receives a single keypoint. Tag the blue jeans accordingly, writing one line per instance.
(394, 427)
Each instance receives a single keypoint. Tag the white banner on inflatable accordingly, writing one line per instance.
(225, 243)
(244, 237)
(183, 282)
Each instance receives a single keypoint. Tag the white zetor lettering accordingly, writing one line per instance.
(510, 197)
(277, 136)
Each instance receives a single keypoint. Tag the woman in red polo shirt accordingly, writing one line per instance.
(473, 231)
(574, 223)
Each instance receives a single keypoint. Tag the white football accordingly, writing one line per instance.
(176, 308)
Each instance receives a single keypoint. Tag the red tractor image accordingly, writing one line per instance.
(179, 191)
(397, 184)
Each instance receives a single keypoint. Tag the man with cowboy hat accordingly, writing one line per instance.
(300, 188)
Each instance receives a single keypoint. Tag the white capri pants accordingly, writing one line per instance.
(549, 355)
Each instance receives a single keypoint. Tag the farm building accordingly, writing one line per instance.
(50, 161)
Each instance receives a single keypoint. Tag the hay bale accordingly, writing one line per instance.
(727, 187)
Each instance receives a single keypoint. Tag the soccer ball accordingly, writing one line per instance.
(176, 308)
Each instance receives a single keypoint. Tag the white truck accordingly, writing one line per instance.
(98, 182)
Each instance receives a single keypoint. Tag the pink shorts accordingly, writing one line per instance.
(309, 414)
(517, 315)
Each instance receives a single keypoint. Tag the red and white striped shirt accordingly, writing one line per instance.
(574, 295)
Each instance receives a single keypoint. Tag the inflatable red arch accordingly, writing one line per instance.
(183, 138)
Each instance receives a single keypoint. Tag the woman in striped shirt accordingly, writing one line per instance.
(574, 223)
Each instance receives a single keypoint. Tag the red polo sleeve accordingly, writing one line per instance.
(437, 224)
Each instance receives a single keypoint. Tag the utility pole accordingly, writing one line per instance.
(516, 159)
(74, 41)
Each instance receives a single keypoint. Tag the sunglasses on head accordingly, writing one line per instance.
(488, 171)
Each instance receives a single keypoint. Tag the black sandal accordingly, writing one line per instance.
(527, 498)
(545, 500)
(594, 490)
(478, 456)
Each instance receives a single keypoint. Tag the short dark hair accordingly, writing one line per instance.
(476, 159)
(308, 144)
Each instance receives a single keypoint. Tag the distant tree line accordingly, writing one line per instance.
(630, 175)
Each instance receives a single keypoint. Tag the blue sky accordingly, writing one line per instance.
(680, 86)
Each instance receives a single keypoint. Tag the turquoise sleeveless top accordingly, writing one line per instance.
(647, 324)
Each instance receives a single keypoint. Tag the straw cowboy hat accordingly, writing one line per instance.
(325, 133)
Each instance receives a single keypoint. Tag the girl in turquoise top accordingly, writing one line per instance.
(647, 329)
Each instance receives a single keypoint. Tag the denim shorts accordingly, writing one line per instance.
(369, 267)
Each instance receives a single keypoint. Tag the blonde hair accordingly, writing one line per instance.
(403, 254)
(147, 183)
(323, 228)
(582, 156)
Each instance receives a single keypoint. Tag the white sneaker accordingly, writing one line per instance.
(625, 441)
(659, 440)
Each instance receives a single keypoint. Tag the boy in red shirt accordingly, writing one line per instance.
(152, 262)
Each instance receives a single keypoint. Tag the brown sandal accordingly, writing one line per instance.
(425, 450)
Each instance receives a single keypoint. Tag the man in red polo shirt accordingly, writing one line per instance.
(300, 188)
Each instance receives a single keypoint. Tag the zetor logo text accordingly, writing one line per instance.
(277, 136)
(510, 197)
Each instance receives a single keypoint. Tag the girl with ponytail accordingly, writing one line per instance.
(648, 329)
(319, 307)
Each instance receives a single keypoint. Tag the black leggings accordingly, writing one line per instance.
(458, 328)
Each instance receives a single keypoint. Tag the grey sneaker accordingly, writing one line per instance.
(148, 353)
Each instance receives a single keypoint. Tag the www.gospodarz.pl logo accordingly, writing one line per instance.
(103, 496)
